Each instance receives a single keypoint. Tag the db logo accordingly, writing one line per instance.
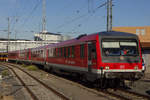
(122, 66)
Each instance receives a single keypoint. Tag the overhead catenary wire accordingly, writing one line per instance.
(78, 11)
(81, 16)
(81, 22)
(15, 19)
(30, 14)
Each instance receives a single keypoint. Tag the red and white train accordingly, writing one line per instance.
(103, 55)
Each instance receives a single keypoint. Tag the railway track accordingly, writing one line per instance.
(124, 94)
(34, 95)
(134, 95)
(119, 94)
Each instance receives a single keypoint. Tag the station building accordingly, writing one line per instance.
(144, 36)
(48, 36)
(39, 40)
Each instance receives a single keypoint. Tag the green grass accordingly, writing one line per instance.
(32, 68)
(5, 73)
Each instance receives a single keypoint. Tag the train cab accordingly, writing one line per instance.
(120, 54)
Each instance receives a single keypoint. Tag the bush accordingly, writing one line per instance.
(32, 68)
(23, 65)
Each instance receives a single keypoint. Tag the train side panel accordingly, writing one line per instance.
(68, 56)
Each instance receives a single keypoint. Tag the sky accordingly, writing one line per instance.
(69, 17)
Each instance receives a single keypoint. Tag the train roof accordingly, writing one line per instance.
(116, 33)
(89, 37)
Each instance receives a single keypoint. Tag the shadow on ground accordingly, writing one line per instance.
(148, 92)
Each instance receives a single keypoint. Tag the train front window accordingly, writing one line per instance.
(119, 48)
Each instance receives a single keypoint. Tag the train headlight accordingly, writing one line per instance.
(136, 67)
(107, 67)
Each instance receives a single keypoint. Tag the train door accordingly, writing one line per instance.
(91, 55)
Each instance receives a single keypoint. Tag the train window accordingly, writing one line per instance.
(42, 53)
(5, 55)
(55, 54)
(68, 52)
(92, 51)
(61, 52)
(50, 52)
(65, 52)
(125, 47)
(73, 51)
(82, 51)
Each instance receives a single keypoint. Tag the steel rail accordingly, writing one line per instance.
(136, 94)
(46, 86)
(116, 95)
(22, 82)
(103, 91)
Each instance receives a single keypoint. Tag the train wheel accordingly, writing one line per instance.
(122, 84)
(101, 83)
(83, 78)
(46, 68)
(50, 70)
(114, 83)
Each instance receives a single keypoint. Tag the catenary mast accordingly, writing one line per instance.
(44, 19)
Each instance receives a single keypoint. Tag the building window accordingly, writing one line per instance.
(142, 31)
(137, 31)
